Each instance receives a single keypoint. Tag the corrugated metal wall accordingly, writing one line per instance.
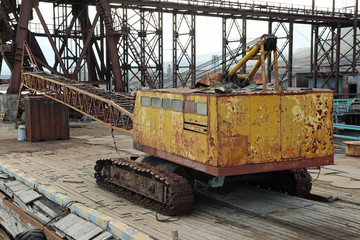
(45, 119)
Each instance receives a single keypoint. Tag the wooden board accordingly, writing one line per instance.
(78, 228)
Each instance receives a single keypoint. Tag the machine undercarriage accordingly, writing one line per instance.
(169, 193)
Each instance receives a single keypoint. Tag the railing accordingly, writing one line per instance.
(346, 127)
(264, 6)
(346, 105)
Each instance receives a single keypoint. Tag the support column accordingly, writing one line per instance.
(21, 36)
(175, 39)
(112, 39)
(355, 43)
(224, 45)
(315, 54)
(193, 49)
(290, 57)
(184, 58)
(234, 42)
(243, 41)
(269, 62)
(337, 66)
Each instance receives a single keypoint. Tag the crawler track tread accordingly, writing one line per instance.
(180, 196)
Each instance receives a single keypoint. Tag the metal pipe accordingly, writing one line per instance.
(276, 70)
(263, 65)
(257, 66)
(242, 62)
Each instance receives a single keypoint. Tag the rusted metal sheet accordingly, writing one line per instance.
(210, 79)
(237, 170)
(293, 126)
(45, 119)
(241, 132)
(352, 148)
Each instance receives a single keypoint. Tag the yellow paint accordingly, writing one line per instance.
(102, 220)
(293, 126)
(264, 128)
(241, 128)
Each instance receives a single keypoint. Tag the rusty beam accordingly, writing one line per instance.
(112, 110)
(238, 170)
(251, 11)
(355, 39)
(52, 43)
(21, 36)
(87, 43)
(290, 56)
(337, 57)
(112, 39)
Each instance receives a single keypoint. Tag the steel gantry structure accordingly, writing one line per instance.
(123, 41)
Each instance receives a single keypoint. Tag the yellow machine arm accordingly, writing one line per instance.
(260, 51)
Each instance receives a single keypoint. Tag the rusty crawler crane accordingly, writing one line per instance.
(205, 136)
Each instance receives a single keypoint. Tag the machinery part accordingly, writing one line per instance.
(303, 182)
(295, 182)
(33, 234)
(270, 41)
(158, 189)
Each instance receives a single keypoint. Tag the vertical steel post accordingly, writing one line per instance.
(21, 36)
(193, 49)
(224, 44)
(276, 70)
(125, 48)
(175, 39)
(269, 58)
(243, 40)
(337, 64)
(142, 36)
(263, 64)
(312, 40)
(160, 65)
(290, 57)
(315, 55)
(355, 43)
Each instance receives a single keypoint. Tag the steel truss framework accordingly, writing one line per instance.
(123, 43)
(113, 110)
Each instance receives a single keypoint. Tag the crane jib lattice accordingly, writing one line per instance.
(114, 110)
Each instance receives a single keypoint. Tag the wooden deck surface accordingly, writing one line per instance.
(236, 212)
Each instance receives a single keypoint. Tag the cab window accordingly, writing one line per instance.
(155, 102)
(166, 103)
(145, 101)
(201, 108)
(177, 105)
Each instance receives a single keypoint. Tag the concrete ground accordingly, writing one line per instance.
(239, 212)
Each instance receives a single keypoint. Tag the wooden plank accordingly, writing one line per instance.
(66, 222)
(42, 207)
(32, 196)
(77, 227)
(102, 236)
(90, 232)
(18, 187)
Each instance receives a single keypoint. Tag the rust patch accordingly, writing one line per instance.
(210, 79)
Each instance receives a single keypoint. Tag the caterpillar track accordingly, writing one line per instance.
(303, 182)
(155, 188)
(296, 182)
